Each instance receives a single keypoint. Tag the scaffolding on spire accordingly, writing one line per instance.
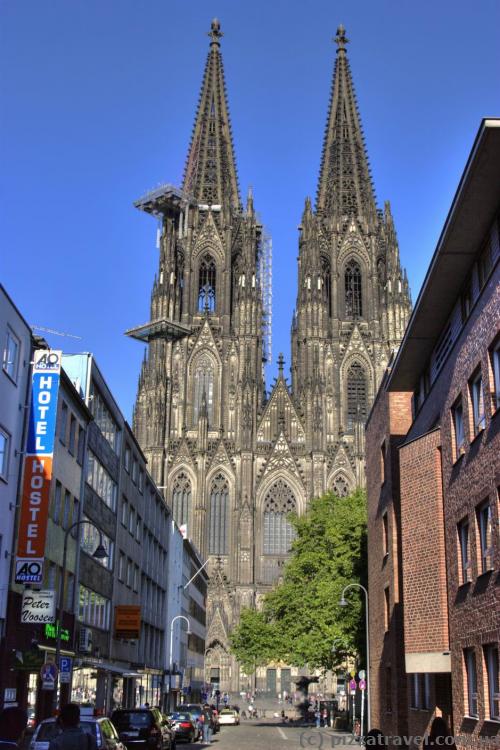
(265, 274)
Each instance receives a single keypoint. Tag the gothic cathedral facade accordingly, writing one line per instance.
(233, 460)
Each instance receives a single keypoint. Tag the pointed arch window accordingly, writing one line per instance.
(326, 273)
(353, 291)
(340, 486)
(207, 284)
(203, 389)
(278, 531)
(356, 395)
(218, 516)
(181, 499)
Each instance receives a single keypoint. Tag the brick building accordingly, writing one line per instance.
(433, 468)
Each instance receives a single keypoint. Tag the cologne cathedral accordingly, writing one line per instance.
(233, 459)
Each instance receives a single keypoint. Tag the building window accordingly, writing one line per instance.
(207, 279)
(495, 366)
(340, 486)
(104, 419)
(415, 691)
(471, 682)
(203, 389)
(353, 293)
(387, 608)
(484, 524)
(491, 660)
(81, 445)
(93, 608)
(4, 454)
(124, 516)
(135, 470)
(141, 481)
(484, 264)
(477, 401)
(466, 300)
(121, 566)
(181, 499)
(10, 361)
(464, 547)
(127, 459)
(72, 435)
(457, 414)
(356, 395)
(57, 502)
(100, 481)
(383, 462)
(131, 522)
(278, 531)
(385, 527)
(63, 422)
(67, 510)
(426, 691)
(90, 540)
(218, 516)
(138, 528)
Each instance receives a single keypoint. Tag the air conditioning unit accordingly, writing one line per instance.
(85, 641)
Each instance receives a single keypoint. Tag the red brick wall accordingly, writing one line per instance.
(424, 565)
(387, 426)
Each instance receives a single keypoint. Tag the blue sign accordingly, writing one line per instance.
(65, 668)
(43, 412)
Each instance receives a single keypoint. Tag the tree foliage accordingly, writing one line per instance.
(301, 622)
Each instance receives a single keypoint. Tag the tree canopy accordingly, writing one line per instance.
(300, 621)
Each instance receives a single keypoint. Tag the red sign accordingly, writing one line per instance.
(34, 517)
(362, 685)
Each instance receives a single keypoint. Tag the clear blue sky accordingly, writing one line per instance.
(97, 101)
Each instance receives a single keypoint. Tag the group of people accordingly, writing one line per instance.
(13, 722)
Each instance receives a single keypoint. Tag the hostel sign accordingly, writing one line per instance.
(38, 466)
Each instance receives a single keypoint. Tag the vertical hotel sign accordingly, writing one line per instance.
(38, 467)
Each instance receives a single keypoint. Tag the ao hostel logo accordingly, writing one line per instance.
(38, 467)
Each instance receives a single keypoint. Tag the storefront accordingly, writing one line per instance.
(25, 648)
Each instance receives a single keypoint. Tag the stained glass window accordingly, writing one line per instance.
(356, 395)
(353, 293)
(181, 499)
(278, 532)
(207, 284)
(218, 516)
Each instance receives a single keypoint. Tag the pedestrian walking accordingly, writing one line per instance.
(317, 716)
(13, 721)
(207, 725)
(72, 736)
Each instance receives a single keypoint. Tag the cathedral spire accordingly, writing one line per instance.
(345, 186)
(210, 174)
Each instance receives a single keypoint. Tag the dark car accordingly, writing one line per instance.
(196, 711)
(143, 729)
(101, 728)
(184, 726)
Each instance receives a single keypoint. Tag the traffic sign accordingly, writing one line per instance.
(65, 668)
(352, 686)
(352, 673)
(362, 674)
(362, 685)
(49, 671)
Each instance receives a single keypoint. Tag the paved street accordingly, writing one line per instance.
(273, 735)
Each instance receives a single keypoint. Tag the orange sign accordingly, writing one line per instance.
(34, 516)
(128, 622)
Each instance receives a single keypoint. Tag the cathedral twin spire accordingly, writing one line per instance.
(210, 175)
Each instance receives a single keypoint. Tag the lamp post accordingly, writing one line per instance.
(172, 623)
(100, 554)
(344, 603)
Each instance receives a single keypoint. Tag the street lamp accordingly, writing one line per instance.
(188, 631)
(99, 554)
(344, 603)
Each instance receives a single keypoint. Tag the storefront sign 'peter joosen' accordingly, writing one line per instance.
(38, 466)
(38, 607)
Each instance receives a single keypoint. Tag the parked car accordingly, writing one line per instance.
(143, 728)
(184, 725)
(100, 727)
(229, 716)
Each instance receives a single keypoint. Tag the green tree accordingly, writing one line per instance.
(301, 621)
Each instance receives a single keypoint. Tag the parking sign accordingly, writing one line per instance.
(65, 668)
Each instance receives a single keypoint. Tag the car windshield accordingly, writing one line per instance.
(195, 710)
(228, 711)
(50, 729)
(131, 719)
(180, 717)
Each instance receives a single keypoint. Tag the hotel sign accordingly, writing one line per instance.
(38, 467)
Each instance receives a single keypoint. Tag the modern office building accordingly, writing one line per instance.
(433, 459)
